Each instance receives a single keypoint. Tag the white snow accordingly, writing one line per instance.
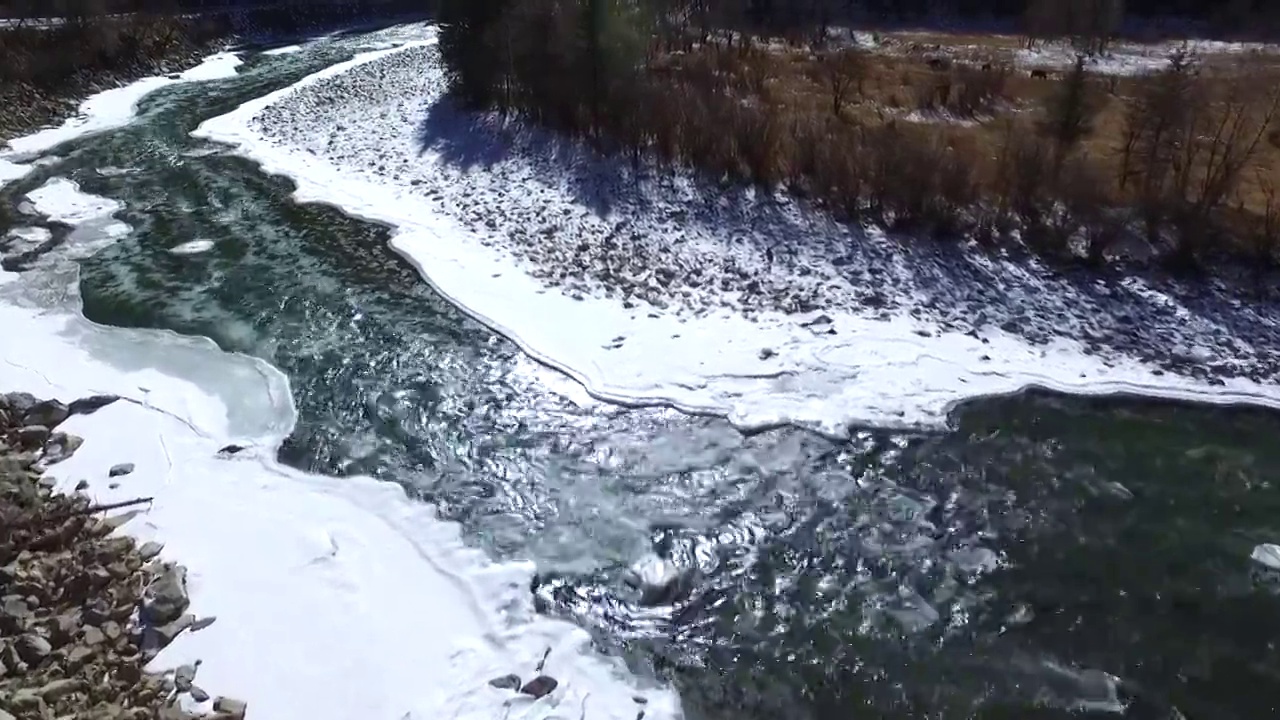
(61, 200)
(10, 171)
(194, 247)
(1130, 58)
(773, 369)
(335, 598)
(286, 50)
(1267, 555)
(108, 110)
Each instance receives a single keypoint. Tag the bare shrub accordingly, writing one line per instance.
(977, 92)
(841, 72)
(1069, 112)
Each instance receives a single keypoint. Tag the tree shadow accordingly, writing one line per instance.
(610, 185)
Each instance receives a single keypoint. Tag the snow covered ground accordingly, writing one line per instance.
(1129, 58)
(335, 598)
(660, 289)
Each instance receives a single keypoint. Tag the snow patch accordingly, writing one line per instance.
(194, 247)
(286, 50)
(61, 200)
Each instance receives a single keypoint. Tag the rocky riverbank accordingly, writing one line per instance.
(51, 88)
(83, 609)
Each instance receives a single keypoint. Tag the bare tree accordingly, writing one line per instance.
(1070, 112)
(842, 72)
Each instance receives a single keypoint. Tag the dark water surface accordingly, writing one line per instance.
(1007, 569)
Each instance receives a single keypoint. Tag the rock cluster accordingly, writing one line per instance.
(82, 609)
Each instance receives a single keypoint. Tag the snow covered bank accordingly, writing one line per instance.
(335, 598)
(665, 291)
(105, 111)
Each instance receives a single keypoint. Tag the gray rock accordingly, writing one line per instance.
(6, 716)
(149, 550)
(49, 413)
(58, 689)
(15, 464)
(121, 469)
(231, 706)
(11, 659)
(14, 611)
(61, 446)
(78, 655)
(506, 682)
(32, 436)
(91, 404)
(203, 623)
(184, 677)
(157, 637)
(18, 403)
(540, 686)
(166, 599)
(32, 648)
(27, 699)
(93, 636)
(199, 695)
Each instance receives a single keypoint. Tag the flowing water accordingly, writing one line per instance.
(1010, 568)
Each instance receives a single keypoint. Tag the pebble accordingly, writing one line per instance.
(121, 469)
(231, 706)
(540, 686)
(203, 623)
(506, 682)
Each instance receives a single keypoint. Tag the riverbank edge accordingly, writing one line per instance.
(33, 108)
(83, 609)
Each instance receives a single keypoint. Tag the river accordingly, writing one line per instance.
(1045, 557)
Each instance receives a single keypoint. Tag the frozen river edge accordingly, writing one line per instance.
(829, 368)
(335, 597)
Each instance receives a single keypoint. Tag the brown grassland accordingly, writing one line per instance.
(928, 134)
(962, 129)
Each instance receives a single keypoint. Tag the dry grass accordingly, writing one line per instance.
(930, 144)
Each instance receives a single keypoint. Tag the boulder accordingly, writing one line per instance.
(157, 637)
(58, 689)
(121, 469)
(32, 436)
(61, 446)
(149, 550)
(91, 404)
(184, 677)
(166, 599)
(49, 413)
(32, 648)
(540, 686)
(18, 403)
